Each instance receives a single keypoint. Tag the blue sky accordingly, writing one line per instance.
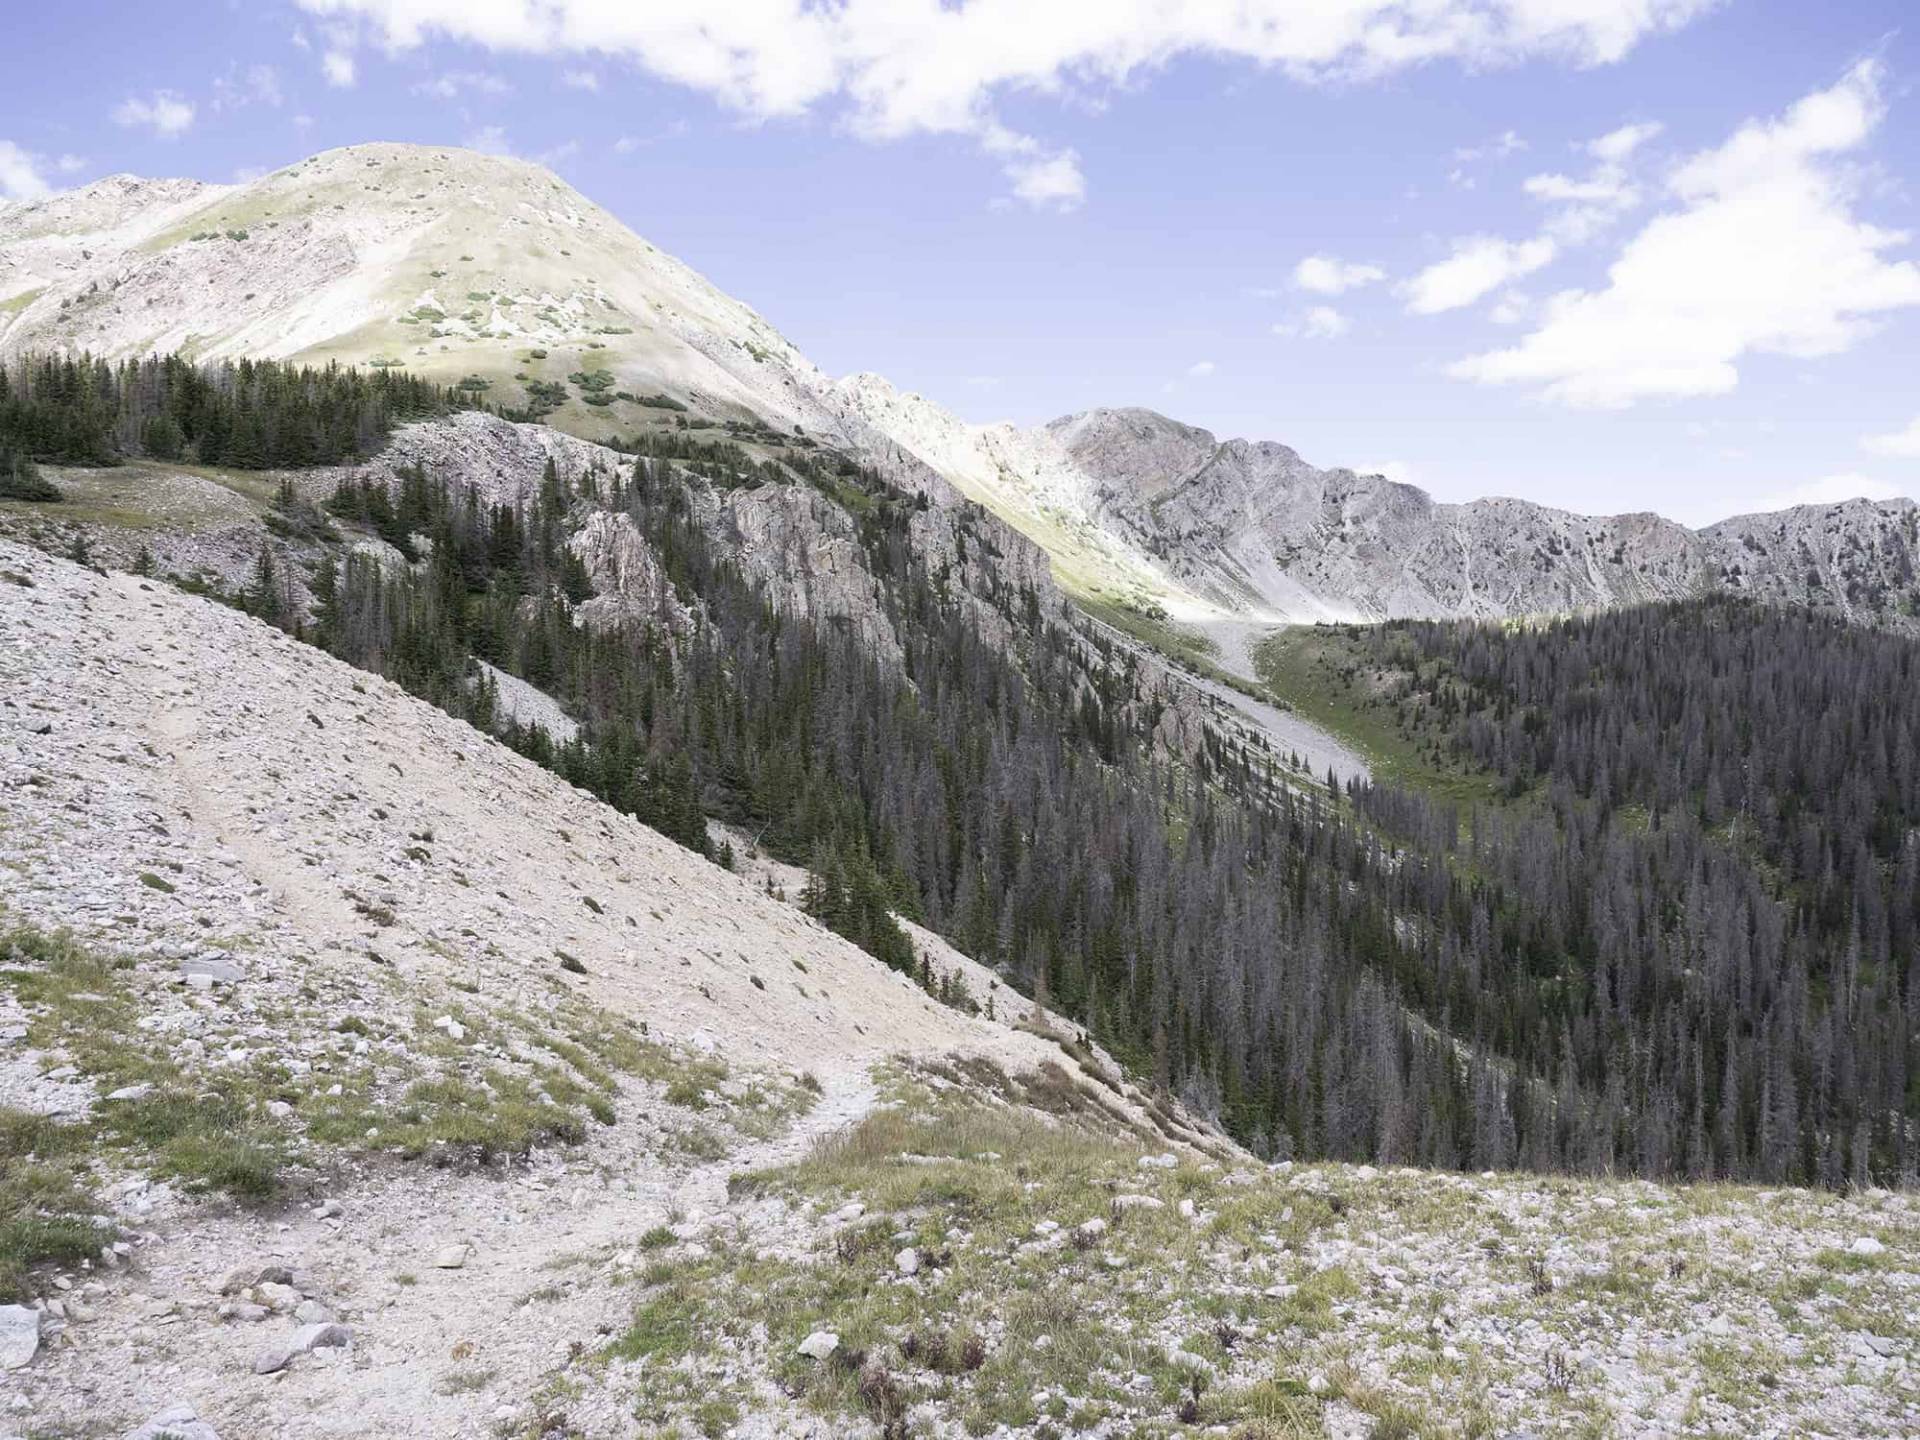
(1609, 254)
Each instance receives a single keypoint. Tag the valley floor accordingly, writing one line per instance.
(422, 1095)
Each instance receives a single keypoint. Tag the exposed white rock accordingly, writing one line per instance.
(819, 1345)
(304, 1341)
(176, 1422)
(19, 1336)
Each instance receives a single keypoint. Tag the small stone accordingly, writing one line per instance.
(176, 1422)
(328, 1209)
(1188, 1361)
(452, 1257)
(1317, 1384)
(1865, 1245)
(819, 1345)
(19, 1336)
(1092, 1229)
(1167, 1161)
(208, 971)
(303, 1341)
(173, 1423)
(278, 1297)
(1138, 1202)
(132, 1092)
(453, 1028)
(312, 1312)
(242, 1277)
(908, 1261)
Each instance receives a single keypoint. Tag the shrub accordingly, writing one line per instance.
(20, 479)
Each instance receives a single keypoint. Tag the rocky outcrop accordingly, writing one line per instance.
(629, 585)
(804, 552)
(1140, 507)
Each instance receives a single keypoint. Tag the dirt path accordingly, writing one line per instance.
(436, 1352)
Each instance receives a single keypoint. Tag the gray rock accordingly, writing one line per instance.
(176, 1422)
(908, 1261)
(303, 1341)
(312, 1312)
(819, 1345)
(19, 1336)
(452, 1257)
(210, 970)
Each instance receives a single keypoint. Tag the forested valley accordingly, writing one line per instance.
(1675, 933)
(1671, 948)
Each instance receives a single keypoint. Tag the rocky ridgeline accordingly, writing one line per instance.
(1147, 510)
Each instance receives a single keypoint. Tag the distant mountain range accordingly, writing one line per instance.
(493, 272)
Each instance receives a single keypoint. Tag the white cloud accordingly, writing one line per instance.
(1478, 266)
(901, 67)
(1589, 205)
(455, 83)
(1899, 445)
(257, 85)
(627, 144)
(1398, 471)
(339, 68)
(1830, 490)
(68, 164)
(1200, 369)
(20, 177)
(1761, 253)
(165, 113)
(581, 80)
(1052, 182)
(1604, 187)
(1501, 146)
(1325, 275)
(1511, 308)
(1616, 146)
(1322, 322)
(489, 140)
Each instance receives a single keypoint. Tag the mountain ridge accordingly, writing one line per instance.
(490, 271)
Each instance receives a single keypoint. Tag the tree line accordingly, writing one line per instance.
(246, 414)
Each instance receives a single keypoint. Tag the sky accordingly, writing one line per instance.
(1606, 254)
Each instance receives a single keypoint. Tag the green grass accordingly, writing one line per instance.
(46, 1217)
(1319, 671)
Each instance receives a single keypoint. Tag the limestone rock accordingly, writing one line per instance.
(19, 1336)
(819, 1345)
